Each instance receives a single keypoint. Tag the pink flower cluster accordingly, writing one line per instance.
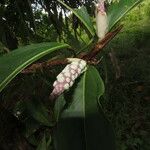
(101, 7)
(68, 75)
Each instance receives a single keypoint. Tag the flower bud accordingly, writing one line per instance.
(101, 19)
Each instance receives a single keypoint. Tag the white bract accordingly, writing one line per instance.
(73, 66)
(60, 79)
(101, 19)
(68, 80)
(68, 75)
(73, 71)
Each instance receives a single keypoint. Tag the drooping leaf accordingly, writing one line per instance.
(82, 124)
(14, 62)
(83, 16)
(118, 9)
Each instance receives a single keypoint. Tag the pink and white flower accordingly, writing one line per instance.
(67, 77)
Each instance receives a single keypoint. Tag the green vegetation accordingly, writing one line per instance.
(126, 101)
(25, 110)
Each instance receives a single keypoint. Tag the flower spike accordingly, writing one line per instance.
(67, 77)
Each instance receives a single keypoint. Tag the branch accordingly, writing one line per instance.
(52, 63)
(40, 66)
(89, 57)
(101, 44)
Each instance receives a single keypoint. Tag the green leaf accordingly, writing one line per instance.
(39, 112)
(82, 124)
(14, 62)
(83, 16)
(42, 145)
(117, 10)
(59, 105)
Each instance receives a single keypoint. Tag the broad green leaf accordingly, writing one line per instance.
(14, 62)
(118, 9)
(42, 145)
(39, 112)
(83, 16)
(82, 124)
(59, 105)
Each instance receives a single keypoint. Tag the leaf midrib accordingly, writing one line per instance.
(84, 80)
(25, 64)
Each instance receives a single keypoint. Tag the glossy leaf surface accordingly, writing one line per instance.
(118, 9)
(14, 62)
(82, 124)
